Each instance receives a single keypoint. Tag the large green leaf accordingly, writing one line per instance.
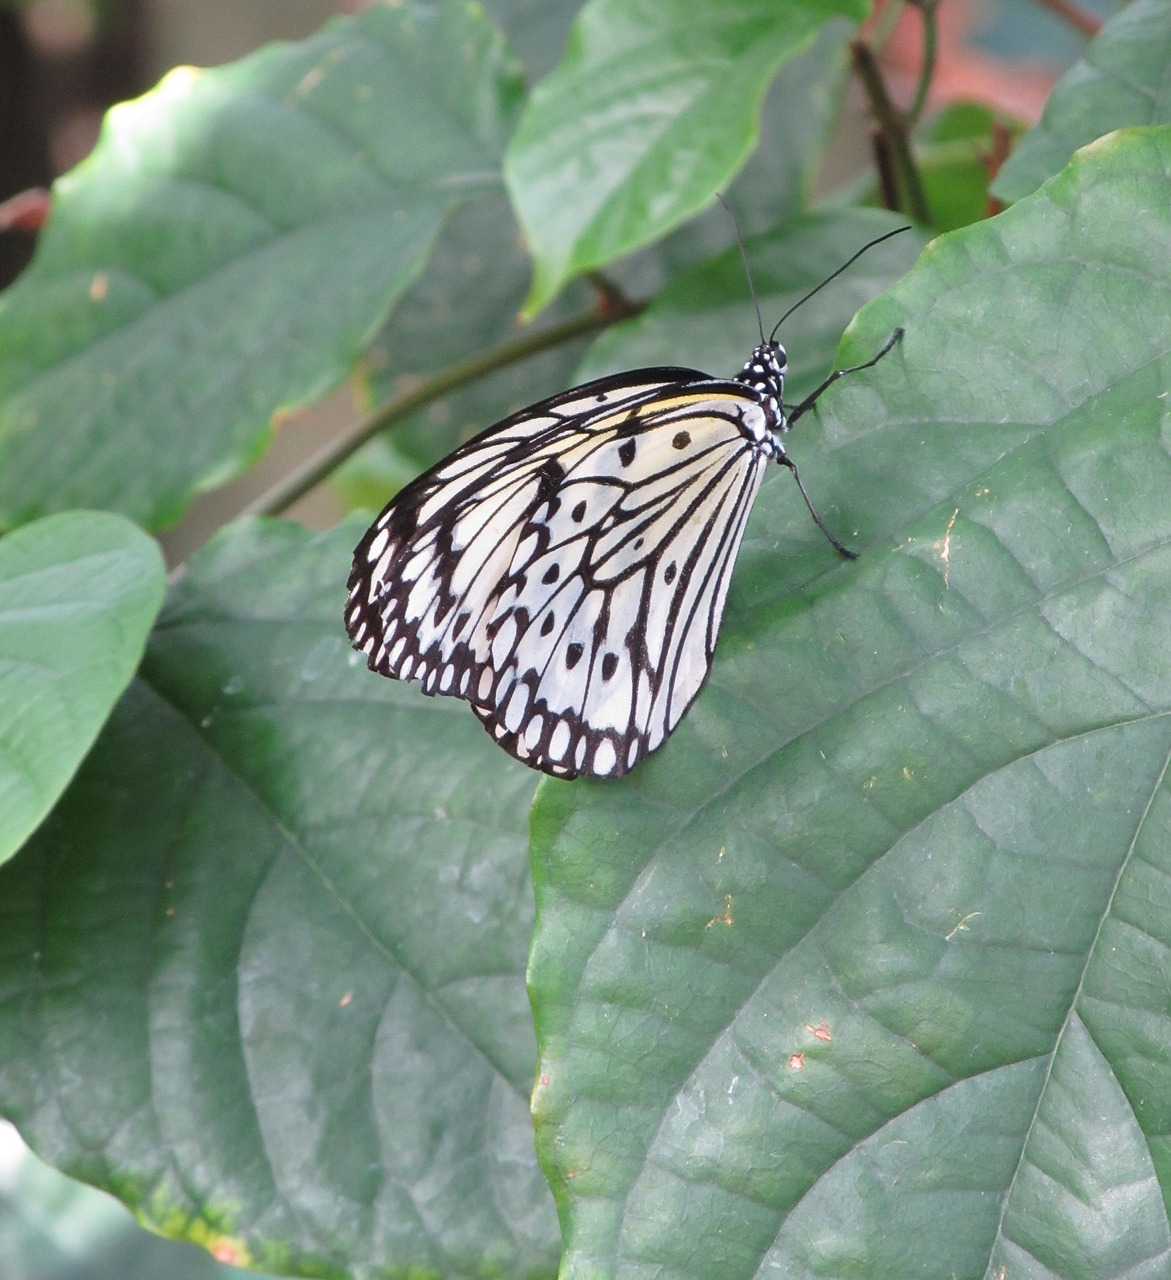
(78, 595)
(262, 968)
(234, 240)
(1121, 81)
(653, 108)
(866, 973)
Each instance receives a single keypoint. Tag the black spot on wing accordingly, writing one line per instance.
(549, 479)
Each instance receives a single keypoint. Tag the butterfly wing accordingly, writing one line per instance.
(566, 571)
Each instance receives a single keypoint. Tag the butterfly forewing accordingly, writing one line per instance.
(565, 572)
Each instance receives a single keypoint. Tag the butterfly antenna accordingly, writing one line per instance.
(898, 231)
(744, 259)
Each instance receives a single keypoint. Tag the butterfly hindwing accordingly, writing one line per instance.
(565, 571)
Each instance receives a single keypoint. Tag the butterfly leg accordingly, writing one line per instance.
(783, 458)
(811, 400)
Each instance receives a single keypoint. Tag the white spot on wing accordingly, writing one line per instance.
(559, 742)
(378, 546)
(518, 705)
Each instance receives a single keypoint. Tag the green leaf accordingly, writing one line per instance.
(235, 239)
(78, 595)
(866, 972)
(653, 108)
(1121, 81)
(263, 967)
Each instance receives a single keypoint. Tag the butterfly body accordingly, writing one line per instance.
(565, 571)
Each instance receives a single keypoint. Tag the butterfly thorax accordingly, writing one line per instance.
(765, 373)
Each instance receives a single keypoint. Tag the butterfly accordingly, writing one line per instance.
(565, 571)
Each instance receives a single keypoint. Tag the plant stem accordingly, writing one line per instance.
(880, 144)
(894, 131)
(322, 464)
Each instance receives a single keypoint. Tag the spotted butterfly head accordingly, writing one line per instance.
(765, 373)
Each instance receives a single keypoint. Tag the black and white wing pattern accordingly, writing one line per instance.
(565, 571)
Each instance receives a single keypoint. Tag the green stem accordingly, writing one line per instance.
(323, 463)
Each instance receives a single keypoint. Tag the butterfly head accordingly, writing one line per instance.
(765, 373)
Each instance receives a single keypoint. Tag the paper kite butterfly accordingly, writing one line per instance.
(565, 571)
